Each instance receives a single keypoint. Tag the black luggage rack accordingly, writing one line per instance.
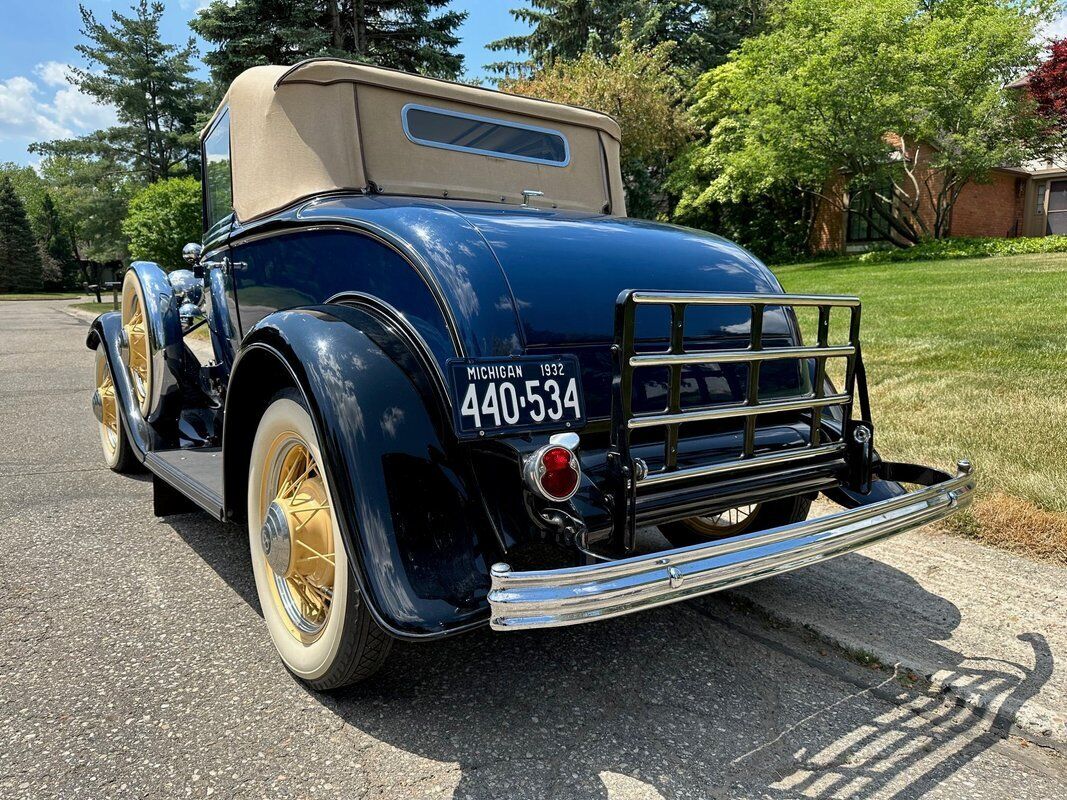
(632, 475)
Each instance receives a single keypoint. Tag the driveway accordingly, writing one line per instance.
(134, 661)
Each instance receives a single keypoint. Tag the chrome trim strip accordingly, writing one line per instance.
(746, 355)
(737, 410)
(570, 596)
(752, 462)
(709, 299)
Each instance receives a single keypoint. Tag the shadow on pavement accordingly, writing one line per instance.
(698, 699)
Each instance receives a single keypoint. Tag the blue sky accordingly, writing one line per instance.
(37, 40)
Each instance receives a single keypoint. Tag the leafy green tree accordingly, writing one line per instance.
(412, 35)
(56, 245)
(904, 99)
(151, 85)
(50, 229)
(93, 194)
(20, 262)
(30, 188)
(162, 219)
(703, 31)
(638, 88)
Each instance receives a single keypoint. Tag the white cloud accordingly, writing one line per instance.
(1057, 29)
(53, 73)
(49, 107)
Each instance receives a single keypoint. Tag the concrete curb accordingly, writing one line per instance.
(1031, 720)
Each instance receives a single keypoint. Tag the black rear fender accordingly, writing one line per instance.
(404, 491)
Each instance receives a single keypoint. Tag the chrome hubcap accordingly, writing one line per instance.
(277, 539)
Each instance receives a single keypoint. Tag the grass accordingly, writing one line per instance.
(968, 358)
(95, 308)
(39, 296)
(102, 308)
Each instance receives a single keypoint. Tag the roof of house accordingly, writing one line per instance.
(326, 125)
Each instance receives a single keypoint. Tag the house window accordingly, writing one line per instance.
(1039, 198)
(218, 182)
(865, 223)
(453, 130)
(1057, 208)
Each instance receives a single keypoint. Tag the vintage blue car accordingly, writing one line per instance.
(448, 380)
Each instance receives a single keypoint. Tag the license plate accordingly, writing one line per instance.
(494, 396)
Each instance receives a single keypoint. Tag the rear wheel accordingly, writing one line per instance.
(736, 521)
(311, 603)
(113, 439)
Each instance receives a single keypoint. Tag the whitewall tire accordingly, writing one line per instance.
(310, 600)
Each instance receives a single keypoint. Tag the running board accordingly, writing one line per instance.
(192, 474)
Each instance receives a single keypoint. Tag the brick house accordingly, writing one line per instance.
(1030, 200)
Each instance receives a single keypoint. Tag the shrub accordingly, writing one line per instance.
(969, 247)
(162, 218)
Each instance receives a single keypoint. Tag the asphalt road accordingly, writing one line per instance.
(134, 663)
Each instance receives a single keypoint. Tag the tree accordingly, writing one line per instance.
(150, 84)
(905, 100)
(20, 262)
(402, 34)
(162, 219)
(1047, 86)
(93, 194)
(57, 250)
(30, 188)
(703, 31)
(638, 88)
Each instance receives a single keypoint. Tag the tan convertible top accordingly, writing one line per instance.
(327, 124)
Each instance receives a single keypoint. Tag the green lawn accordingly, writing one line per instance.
(965, 358)
(95, 308)
(101, 308)
(40, 296)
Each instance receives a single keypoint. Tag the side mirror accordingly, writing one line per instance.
(191, 253)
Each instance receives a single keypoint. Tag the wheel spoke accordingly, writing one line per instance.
(327, 557)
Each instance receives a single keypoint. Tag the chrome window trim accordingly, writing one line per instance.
(210, 225)
(492, 121)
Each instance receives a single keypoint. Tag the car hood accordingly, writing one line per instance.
(565, 270)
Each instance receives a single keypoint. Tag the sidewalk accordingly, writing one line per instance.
(985, 626)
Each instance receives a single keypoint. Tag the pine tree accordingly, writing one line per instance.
(151, 85)
(703, 31)
(402, 34)
(20, 262)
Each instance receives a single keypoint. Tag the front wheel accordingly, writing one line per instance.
(118, 453)
(736, 521)
(311, 603)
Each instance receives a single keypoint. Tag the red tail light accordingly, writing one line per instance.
(553, 472)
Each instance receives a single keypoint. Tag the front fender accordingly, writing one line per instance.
(106, 332)
(405, 494)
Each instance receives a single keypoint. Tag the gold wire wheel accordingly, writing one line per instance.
(298, 536)
(135, 325)
(728, 522)
(110, 433)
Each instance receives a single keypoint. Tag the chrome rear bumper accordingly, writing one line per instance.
(551, 598)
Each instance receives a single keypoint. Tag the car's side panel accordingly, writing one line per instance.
(404, 492)
(419, 257)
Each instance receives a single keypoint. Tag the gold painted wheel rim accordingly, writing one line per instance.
(109, 416)
(140, 348)
(725, 523)
(303, 593)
